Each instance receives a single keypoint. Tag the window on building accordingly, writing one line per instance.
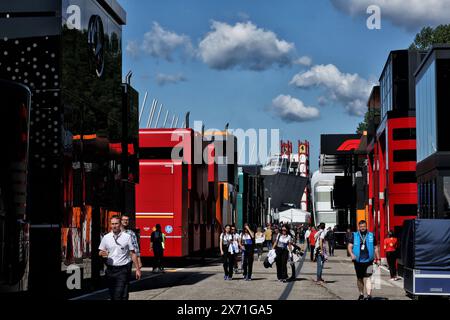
(426, 113)
(404, 134)
(405, 210)
(386, 89)
(405, 155)
(446, 182)
(443, 101)
(405, 177)
(324, 196)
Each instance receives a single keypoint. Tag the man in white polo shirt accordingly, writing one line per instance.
(118, 249)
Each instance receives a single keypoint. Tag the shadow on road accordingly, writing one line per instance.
(169, 281)
(157, 281)
(297, 279)
(186, 262)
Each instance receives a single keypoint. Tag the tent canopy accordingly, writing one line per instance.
(284, 188)
(295, 216)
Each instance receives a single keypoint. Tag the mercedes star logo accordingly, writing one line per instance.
(96, 38)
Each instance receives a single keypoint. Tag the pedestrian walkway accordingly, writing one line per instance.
(340, 282)
(206, 283)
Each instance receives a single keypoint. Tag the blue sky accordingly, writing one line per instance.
(183, 42)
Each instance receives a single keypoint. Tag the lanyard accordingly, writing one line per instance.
(362, 239)
(117, 238)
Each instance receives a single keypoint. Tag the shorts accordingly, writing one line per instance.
(361, 269)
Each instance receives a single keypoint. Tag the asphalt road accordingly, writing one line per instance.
(203, 280)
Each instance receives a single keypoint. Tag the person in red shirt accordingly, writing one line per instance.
(312, 242)
(390, 247)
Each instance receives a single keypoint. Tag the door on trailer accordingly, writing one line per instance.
(156, 203)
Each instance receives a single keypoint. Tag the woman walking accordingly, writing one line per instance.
(227, 252)
(236, 242)
(247, 242)
(282, 245)
(157, 244)
(390, 247)
(259, 239)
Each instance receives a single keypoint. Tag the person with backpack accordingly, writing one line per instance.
(282, 245)
(157, 244)
(227, 251)
(247, 243)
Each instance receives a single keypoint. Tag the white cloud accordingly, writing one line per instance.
(290, 109)
(350, 90)
(243, 45)
(133, 49)
(161, 43)
(411, 14)
(304, 61)
(163, 79)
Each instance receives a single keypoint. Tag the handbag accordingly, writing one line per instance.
(266, 263)
(271, 256)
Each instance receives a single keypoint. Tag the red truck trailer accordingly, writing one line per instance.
(178, 189)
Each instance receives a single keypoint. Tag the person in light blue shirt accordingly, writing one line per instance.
(364, 251)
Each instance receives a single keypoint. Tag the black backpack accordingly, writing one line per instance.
(157, 237)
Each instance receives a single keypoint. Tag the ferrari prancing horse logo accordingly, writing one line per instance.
(302, 148)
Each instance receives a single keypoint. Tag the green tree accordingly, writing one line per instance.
(429, 36)
(362, 126)
(368, 118)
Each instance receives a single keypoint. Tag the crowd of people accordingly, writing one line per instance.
(120, 249)
(320, 241)
(284, 241)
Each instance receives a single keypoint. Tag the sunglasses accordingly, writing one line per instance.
(283, 230)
